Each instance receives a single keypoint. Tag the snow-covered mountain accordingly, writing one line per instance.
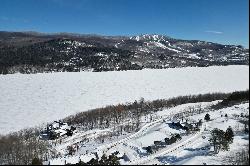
(29, 52)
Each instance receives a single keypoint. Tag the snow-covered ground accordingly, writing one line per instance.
(192, 149)
(194, 152)
(30, 100)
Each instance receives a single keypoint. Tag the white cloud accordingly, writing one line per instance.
(214, 32)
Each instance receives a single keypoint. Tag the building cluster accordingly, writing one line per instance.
(56, 130)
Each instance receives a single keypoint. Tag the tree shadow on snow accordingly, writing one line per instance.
(173, 159)
(203, 149)
(173, 126)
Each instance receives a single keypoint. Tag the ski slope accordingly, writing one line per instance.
(30, 100)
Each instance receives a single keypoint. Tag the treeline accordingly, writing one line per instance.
(127, 117)
(234, 98)
(20, 148)
(104, 160)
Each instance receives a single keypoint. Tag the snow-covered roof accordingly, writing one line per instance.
(61, 132)
(59, 125)
(175, 121)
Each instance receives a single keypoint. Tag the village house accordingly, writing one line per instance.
(159, 143)
(191, 126)
(57, 129)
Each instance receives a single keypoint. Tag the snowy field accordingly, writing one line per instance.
(30, 100)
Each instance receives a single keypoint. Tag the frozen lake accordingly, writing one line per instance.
(30, 100)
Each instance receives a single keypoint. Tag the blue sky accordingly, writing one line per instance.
(222, 21)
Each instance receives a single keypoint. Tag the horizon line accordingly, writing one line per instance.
(110, 35)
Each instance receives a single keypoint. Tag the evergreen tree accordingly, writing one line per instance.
(36, 161)
(200, 122)
(220, 140)
(229, 134)
(93, 162)
(149, 149)
(217, 139)
(113, 160)
(103, 160)
(81, 163)
(207, 117)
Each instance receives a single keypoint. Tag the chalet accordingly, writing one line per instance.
(177, 124)
(192, 126)
(159, 143)
(57, 129)
(173, 139)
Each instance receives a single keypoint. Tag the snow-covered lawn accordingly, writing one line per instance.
(29, 100)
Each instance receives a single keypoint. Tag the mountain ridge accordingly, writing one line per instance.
(74, 34)
(35, 52)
